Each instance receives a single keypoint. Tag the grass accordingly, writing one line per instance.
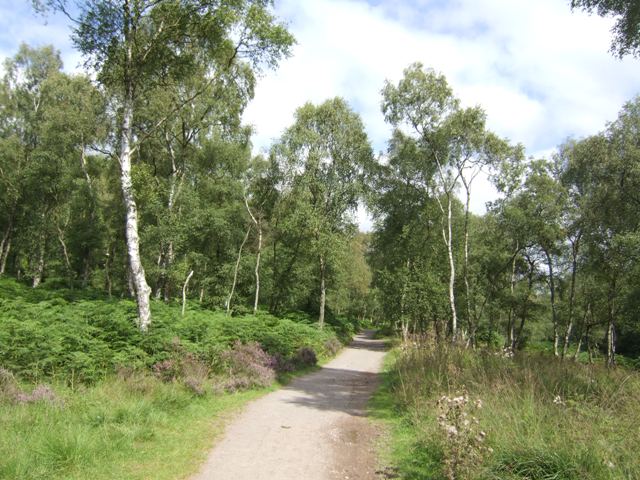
(544, 419)
(136, 428)
(129, 428)
(401, 454)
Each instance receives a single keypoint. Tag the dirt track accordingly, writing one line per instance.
(312, 429)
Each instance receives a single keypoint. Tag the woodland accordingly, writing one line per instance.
(146, 252)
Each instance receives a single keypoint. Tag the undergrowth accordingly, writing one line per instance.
(543, 418)
(84, 394)
(79, 337)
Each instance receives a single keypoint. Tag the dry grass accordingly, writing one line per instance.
(543, 418)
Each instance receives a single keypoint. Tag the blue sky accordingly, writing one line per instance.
(541, 72)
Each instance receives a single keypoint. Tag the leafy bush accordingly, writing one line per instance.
(79, 338)
(306, 357)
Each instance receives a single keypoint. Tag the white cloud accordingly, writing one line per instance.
(19, 24)
(541, 72)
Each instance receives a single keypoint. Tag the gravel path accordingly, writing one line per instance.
(312, 429)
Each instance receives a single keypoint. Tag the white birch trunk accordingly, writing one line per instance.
(138, 278)
(470, 318)
(257, 271)
(448, 186)
(142, 289)
(5, 256)
(39, 271)
(611, 344)
(452, 275)
(554, 315)
(5, 247)
(184, 291)
(611, 331)
(83, 165)
(258, 224)
(572, 293)
(65, 252)
(235, 272)
(175, 186)
(323, 293)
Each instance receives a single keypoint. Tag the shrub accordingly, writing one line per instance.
(332, 346)
(8, 386)
(194, 374)
(462, 439)
(306, 357)
(166, 370)
(136, 381)
(10, 391)
(248, 365)
(80, 338)
(42, 393)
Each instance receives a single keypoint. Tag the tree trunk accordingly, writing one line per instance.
(323, 292)
(107, 271)
(448, 186)
(86, 272)
(5, 248)
(39, 270)
(83, 165)
(576, 355)
(184, 292)
(142, 290)
(65, 252)
(554, 315)
(175, 186)
(257, 272)
(525, 306)
(273, 304)
(404, 324)
(235, 271)
(511, 318)
(168, 261)
(611, 344)
(258, 224)
(575, 245)
(465, 274)
(446, 235)
(131, 287)
(452, 276)
(611, 331)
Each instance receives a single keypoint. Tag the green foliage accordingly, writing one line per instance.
(626, 30)
(80, 340)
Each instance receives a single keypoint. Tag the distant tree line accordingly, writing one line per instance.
(556, 257)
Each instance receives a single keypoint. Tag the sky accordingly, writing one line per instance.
(541, 72)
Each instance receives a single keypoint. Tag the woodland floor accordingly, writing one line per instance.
(314, 428)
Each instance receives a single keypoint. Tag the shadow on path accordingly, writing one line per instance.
(345, 389)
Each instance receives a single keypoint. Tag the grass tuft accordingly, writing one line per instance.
(544, 419)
